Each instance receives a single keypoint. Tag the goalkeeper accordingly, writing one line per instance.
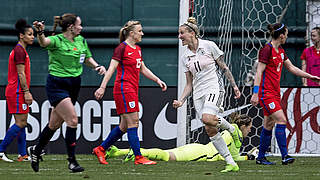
(195, 151)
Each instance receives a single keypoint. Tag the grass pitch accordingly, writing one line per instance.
(55, 167)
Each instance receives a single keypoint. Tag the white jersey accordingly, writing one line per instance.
(203, 67)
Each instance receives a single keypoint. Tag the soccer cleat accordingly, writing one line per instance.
(34, 158)
(129, 157)
(74, 165)
(264, 161)
(287, 160)
(231, 168)
(23, 158)
(4, 157)
(111, 150)
(100, 153)
(142, 160)
(235, 136)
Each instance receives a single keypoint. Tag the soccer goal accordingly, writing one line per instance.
(239, 29)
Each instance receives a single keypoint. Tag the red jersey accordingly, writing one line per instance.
(128, 70)
(17, 56)
(270, 78)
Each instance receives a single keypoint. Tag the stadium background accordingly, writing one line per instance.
(102, 21)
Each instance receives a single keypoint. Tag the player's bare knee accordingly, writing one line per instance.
(72, 121)
(209, 119)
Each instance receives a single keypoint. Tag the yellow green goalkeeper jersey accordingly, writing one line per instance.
(200, 152)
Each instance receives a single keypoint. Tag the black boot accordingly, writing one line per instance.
(74, 165)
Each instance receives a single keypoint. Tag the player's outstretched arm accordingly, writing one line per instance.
(39, 27)
(298, 72)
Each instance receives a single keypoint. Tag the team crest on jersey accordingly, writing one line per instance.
(24, 107)
(201, 51)
(132, 104)
(282, 56)
(272, 105)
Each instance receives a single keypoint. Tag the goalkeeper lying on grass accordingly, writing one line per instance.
(195, 151)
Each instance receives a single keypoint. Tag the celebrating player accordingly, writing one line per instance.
(201, 64)
(18, 94)
(128, 61)
(67, 52)
(266, 91)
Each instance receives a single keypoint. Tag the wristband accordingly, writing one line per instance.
(255, 89)
(27, 90)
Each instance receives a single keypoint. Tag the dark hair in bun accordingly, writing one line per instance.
(21, 26)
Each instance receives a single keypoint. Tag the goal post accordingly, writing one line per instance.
(181, 112)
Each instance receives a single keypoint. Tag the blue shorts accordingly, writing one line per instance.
(59, 88)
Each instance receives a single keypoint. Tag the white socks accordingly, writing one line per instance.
(222, 148)
(225, 125)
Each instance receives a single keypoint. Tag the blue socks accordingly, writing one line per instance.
(134, 140)
(265, 141)
(281, 139)
(113, 136)
(22, 142)
(10, 135)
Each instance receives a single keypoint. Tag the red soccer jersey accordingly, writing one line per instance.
(17, 56)
(270, 78)
(128, 70)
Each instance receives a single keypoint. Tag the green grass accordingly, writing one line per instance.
(55, 167)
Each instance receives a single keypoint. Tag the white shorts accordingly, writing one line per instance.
(211, 103)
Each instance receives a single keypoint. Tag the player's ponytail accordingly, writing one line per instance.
(125, 30)
(63, 21)
(21, 26)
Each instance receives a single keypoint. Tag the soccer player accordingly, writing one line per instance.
(18, 93)
(195, 151)
(128, 61)
(67, 51)
(266, 91)
(311, 58)
(202, 63)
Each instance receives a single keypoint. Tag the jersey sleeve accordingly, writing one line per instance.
(19, 55)
(118, 52)
(264, 54)
(87, 50)
(215, 51)
(54, 42)
(303, 55)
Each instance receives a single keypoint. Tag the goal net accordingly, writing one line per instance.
(239, 29)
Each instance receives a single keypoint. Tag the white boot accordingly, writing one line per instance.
(4, 157)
